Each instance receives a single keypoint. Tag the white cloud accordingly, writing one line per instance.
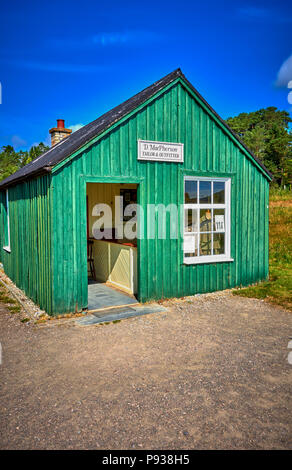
(108, 39)
(75, 127)
(270, 14)
(254, 12)
(138, 37)
(47, 140)
(285, 73)
(17, 141)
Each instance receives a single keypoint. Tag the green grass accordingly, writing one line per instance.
(6, 299)
(14, 308)
(12, 305)
(278, 194)
(278, 289)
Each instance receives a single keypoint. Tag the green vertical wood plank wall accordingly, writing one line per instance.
(58, 272)
(29, 262)
(174, 116)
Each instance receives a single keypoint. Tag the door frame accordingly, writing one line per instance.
(84, 179)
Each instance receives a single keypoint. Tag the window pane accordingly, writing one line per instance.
(218, 192)
(205, 220)
(219, 220)
(191, 192)
(205, 244)
(191, 245)
(191, 220)
(218, 243)
(205, 192)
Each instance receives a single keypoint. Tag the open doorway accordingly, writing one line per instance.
(111, 249)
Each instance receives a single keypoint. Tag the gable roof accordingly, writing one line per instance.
(59, 152)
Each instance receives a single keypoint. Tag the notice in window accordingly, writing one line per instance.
(219, 223)
(190, 243)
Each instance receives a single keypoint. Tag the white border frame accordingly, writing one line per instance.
(157, 159)
(212, 258)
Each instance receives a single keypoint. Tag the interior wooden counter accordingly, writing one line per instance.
(117, 263)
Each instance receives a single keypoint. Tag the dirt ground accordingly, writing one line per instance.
(210, 373)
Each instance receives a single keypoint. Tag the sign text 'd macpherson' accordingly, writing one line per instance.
(160, 151)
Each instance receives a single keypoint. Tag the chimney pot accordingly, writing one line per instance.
(59, 133)
(61, 123)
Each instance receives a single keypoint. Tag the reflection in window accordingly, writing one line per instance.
(205, 220)
(191, 220)
(191, 192)
(218, 243)
(205, 244)
(205, 192)
(218, 192)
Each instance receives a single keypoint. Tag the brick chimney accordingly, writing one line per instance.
(59, 133)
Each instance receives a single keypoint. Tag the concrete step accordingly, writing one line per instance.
(119, 313)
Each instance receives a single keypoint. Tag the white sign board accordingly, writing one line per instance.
(160, 151)
(219, 223)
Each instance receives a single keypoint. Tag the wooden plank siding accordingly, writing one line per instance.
(29, 263)
(174, 116)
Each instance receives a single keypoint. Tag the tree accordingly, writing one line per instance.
(11, 161)
(266, 132)
(256, 140)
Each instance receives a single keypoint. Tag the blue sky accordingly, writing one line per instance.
(76, 60)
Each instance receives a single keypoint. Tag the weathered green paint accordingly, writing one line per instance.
(174, 115)
(29, 262)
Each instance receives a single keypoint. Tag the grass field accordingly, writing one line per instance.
(278, 289)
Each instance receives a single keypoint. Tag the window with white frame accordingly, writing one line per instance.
(6, 223)
(206, 220)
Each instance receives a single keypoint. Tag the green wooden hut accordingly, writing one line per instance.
(163, 146)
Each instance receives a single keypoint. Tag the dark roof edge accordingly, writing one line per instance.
(22, 179)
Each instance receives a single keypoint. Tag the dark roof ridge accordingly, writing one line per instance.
(66, 147)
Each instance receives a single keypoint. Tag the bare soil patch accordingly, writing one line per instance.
(210, 373)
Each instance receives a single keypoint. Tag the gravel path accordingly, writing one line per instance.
(211, 372)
